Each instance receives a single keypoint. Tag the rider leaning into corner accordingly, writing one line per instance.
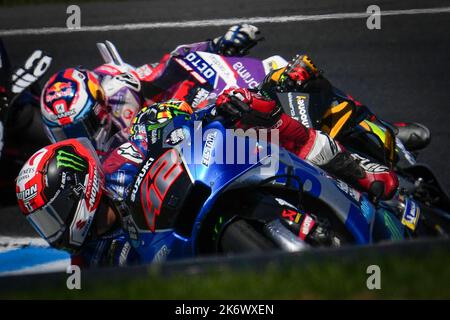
(101, 103)
(61, 189)
(79, 205)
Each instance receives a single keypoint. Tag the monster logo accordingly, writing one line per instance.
(70, 160)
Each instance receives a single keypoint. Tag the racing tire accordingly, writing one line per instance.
(240, 236)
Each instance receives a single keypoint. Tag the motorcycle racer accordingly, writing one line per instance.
(98, 104)
(104, 240)
(61, 192)
(76, 203)
(79, 205)
(302, 74)
(95, 104)
(160, 78)
(245, 109)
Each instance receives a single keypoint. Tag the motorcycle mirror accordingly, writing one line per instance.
(106, 56)
(109, 53)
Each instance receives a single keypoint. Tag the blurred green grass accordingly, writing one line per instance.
(416, 277)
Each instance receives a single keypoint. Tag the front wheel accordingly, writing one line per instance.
(241, 236)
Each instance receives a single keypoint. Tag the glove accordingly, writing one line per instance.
(237, 41)
(298, 72)
(233, 103)
(244, 108)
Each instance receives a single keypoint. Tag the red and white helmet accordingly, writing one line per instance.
(59, 190)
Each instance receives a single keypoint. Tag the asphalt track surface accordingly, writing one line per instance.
(400, 71)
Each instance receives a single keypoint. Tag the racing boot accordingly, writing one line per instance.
(373, 178)
(413, 135)
(361, 173)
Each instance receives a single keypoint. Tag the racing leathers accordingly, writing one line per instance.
(121, 166)
(159, 80)
(246, 109)
(127, 89)
(331, 103)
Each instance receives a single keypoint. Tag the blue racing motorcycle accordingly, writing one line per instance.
(204, 189)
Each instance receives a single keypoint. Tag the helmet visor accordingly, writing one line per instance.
(90, 126)
(50, 220)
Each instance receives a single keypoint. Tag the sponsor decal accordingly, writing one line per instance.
(59, 90)
(301, 106)
(370, 166)
(130, 152)
(298, 108)
(140, 177)
(162, 254)
(138, 132)
(94, 189)
(175, 137)
(28, 194)
(245, 75)
(201, 66)
(70, 160)
(306, 227)
(34, 68)
(348, 190)
(85, 229)
(26, 174)
(200, 96)
(144, 71)
(154, 136)
(61, 112)
(81, 223)
(411, 214)
(209, 146)
(124, 254)
(367, 210)
(292, 215)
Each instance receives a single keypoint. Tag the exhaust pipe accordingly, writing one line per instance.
(283, 237)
